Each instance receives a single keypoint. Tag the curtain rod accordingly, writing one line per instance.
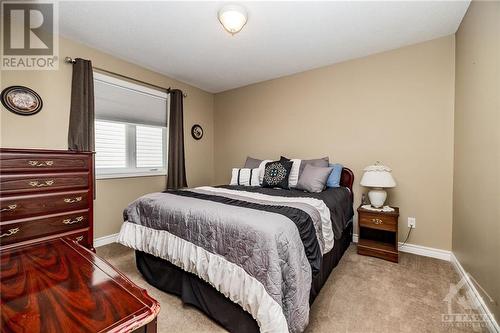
(70, 60)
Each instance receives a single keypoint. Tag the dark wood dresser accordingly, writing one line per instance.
(50, 281)
(45, 194)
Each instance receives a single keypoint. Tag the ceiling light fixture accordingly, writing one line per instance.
(232, 18)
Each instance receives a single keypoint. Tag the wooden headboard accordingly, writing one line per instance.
(347, 179)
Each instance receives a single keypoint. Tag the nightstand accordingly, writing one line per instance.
(378, 234)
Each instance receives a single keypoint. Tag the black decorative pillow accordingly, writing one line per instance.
(276, 174)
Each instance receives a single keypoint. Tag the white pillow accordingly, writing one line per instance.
(293, 179)
(246, 177)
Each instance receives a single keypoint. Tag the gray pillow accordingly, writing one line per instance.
(313, 179)
(252, 163)
(318, 162)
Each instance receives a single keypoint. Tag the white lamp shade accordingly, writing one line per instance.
(377, 176)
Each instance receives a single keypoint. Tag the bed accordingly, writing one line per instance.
(232, 252)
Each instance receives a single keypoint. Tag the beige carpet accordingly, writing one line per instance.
(362, 294)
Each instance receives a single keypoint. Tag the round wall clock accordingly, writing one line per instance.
(197, 132)
(21, 100)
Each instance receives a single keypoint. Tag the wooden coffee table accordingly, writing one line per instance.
(59, 286)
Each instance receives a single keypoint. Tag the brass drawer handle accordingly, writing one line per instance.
(36, 183)
(9, 208)
(70, 200)
(10, 232)
(77, 220)
(377, 221)
(40, 163)
(79, 238)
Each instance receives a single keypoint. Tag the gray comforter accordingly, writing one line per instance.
(278, 244)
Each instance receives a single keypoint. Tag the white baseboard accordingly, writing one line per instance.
(425, 251)
(477, 298)
(105, 240)
(419, 250)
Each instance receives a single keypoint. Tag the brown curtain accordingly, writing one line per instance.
(81, 117)
(81, 113)
(176, 177)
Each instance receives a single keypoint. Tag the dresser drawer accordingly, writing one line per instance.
(42, 182)
(81, 237)
(378, 221)
(25, 229)
(19, 162)
(16, 207)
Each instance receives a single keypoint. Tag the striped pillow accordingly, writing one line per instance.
(245, 177)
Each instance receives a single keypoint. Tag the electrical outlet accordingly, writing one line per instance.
(412, 222)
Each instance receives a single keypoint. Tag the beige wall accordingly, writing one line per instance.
(476, 194)
(49, 128)
(395, 107)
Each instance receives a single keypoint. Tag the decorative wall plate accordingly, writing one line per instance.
(197, 132)
(21, 100)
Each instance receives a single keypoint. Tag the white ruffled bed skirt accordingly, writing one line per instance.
(227, 277)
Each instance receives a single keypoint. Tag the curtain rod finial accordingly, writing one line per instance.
(69, 60)
(169, 89)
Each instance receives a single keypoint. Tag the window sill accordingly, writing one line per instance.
(129, 175)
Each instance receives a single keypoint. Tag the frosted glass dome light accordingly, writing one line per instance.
(232, 18)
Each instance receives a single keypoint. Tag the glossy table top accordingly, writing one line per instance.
(59, 286)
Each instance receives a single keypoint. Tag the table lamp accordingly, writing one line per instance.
(378, 177)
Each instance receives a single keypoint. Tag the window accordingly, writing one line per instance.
(130, 129)
(110, 145)
(149, 146)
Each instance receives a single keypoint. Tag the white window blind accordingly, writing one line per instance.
(121, 100)
(110, 145)
(149, 146)
(130, 129)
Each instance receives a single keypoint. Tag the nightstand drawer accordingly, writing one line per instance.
(378, 221)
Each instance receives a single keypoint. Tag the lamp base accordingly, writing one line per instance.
(377, 197)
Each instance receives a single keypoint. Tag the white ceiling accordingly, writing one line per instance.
(184, 40)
